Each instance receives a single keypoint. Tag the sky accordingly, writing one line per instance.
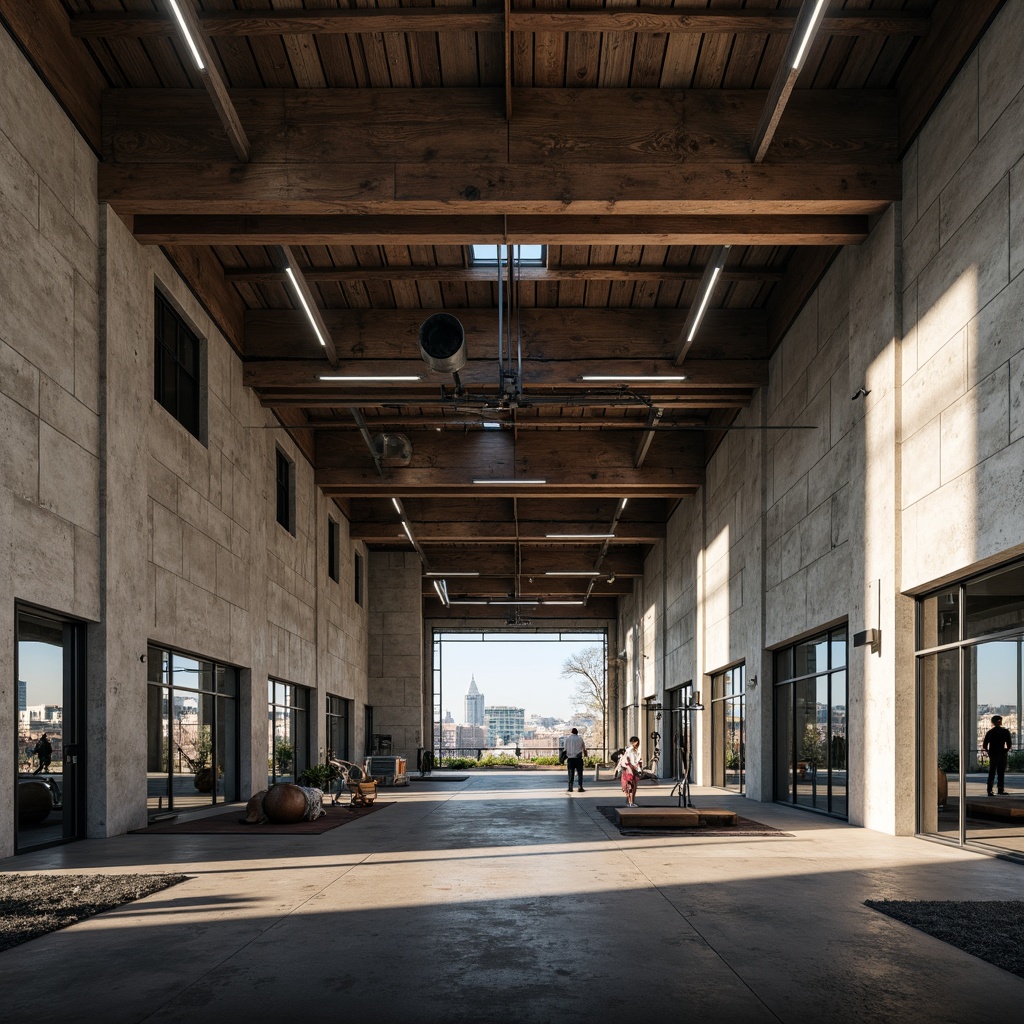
(524, 673)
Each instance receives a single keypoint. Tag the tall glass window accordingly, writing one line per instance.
(287, 731)
(970, 682)
(811, 752)
(192, 732)
(728, 753)
(339, 717)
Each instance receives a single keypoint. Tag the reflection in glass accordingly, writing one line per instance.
(287, 732)
(995, 603)
(728, 748)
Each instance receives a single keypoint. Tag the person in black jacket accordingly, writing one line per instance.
(997, 744)
(44, 751)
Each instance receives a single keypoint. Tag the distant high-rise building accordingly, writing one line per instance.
(448, 718)
(474, 709)
(505, 725)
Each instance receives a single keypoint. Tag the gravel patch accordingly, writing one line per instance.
(992, 930)
(32, 905)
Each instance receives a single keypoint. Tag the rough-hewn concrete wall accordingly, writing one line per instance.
(50, 429)
(395, 642)
(963, 311)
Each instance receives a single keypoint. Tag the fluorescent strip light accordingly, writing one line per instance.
(430, 574)
(467, 602)
(579, 536)
(584, 572)
(405, 526)
(636, 377)
(398, 508)
(623, 504)
(503, 483)
(513, 602)
(442, 591)
(563, 602)
(305, 305)
(704, 303)
(492, 426)
(188, 36)
(365, 379)
(812, 25)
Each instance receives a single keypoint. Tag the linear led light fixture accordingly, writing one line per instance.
(405, 526)
(812, 26)
(466, 602)
(353, 379)
(579, 536)
(305, 306)
(635, 378)
(188, 36)
(503, 602)
(504, 483)
(702, 306)
(622, 504)
(564, 602)
(432, 574)
(442, 591)
(582, 572)
(398, 508)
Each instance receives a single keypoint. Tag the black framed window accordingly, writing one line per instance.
(358, 577)
(333, 550)
(339, 724)
(285, 490)
(728, 733)
(177, 367)
(811, 751)
(287, 731)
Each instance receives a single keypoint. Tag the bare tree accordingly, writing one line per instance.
(589, 696)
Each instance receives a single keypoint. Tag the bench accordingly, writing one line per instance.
(1000, 808)
(673, 817)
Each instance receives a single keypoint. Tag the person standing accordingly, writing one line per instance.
(44, 751)
(631, 764)
(997, 744)
(575, 751)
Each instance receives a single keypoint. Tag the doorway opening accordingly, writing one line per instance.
(515, 694)
(50, 729)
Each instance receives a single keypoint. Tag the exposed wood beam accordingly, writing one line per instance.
(807, 22)
(698, 311)
(935, 60)
(458, 421)
(677, 129)
(308, 301)
(314, 188)
(213, 79)
(478, 375)
(507, 50)
(805, 229)
(356, 483)
(472, 532)
(485, 275)
(600, 611)
(489, 18)
(45, 34)
(541, 586)
(499, 562)
(644, 444)
(546, 333)
(696, 400)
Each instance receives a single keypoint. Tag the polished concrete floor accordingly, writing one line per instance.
(502, 898)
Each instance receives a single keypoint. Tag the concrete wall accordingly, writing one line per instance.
(397, 680)
(111, 511)
(918, 482)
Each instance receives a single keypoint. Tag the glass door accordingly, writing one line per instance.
(50, 676)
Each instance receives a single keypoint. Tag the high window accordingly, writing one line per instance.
(178, 367)
(287, 731)
(339, 724)
(333, 550)
(285, 490)
(811, 755)
(358, 577)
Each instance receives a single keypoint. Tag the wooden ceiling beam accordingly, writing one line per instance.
(563, 588)
(489, 18)
(378, 189)
(546, 332)
(501, 562)
(486, 275)
(566, 374)
(804, 229)
(473, 532)
(677, 129)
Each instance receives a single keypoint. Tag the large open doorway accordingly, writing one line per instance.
(515, 694)
(50, 696)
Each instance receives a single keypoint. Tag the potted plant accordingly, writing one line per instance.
(319, 776)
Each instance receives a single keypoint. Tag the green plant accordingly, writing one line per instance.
(544, 760)
(320, 776)
(499, 761)
(284, 752)
(458, 762)
(1015, 762)
(949, 761)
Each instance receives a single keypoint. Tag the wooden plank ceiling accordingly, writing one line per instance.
(370, 145)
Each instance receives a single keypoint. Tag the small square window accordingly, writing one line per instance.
(526, 255)
(333, 545)
(285, 489)
(358, 565)
(178, 365)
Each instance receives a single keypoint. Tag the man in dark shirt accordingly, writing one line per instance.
(997, 744)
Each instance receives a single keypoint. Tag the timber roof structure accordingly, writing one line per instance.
(367, 147)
